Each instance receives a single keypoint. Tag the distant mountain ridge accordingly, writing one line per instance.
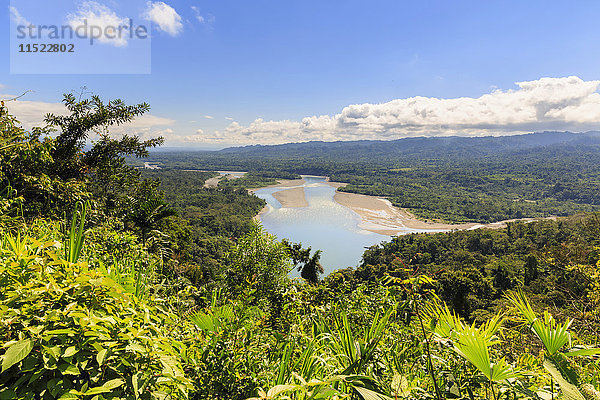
(420, 146)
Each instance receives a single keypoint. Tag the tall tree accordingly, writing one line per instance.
(309, 266)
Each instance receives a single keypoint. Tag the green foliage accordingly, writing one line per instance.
(309, 266)
(203, 307)
(49, 175)
(554, 336)
(147, 213)
(74, 244)
(471, 342)
(69, 330)
(553, 260)
(258, 258)
(29, 185)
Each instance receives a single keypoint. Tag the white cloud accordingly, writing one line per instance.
(209, 117)
(206, 20)
(31, 113)
(229, 118)
(545, 104)
(199, 16)
(96, 15)
(165, 17)
(17, 17)
(198, 137)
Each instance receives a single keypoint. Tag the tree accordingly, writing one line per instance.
(258, 258)
(309, 266)
(148, 212)
(86, 116)
(52, 174)
(27, 172)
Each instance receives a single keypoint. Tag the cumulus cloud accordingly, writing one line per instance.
(31, 113)
(92, 13)
(165, 17)
(196, 138)
(548, 103)
(16, 16)
(209, 117)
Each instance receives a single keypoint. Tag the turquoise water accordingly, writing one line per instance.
(323, 225)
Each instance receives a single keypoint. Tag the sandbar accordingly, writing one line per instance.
(291, 198)
(380, 216)
(377, 214)
(289, 183)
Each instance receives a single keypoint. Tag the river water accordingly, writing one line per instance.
(323, 225)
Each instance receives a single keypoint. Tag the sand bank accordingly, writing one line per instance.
(283, 183)
(377, 214)
(261, 212)
(291, 198)
(214, 182)
(380, 216)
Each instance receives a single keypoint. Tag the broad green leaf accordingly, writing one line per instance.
(101, 356)
(203, 321)
(70, 395)
(16, 353)
(277, 390)
(136, 348)
(115, 383)
(570, 391)
(367, 394)
(582, 352)
(70, 351)
(54, 351)
(68, 369)
(400, 385)
(97, 390)
(60, 332)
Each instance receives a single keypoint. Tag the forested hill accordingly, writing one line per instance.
(428, 147)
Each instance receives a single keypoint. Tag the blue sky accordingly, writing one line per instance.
(264, 71)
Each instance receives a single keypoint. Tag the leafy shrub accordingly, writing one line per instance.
(70, 331)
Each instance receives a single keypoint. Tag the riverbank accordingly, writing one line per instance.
(214, 182)
(377, 214)
(283, 183)
(380, 216)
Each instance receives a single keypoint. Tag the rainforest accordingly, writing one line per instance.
(119, 282)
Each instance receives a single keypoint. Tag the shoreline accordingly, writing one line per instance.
(380, 216)
(377, 214)
(283, 183)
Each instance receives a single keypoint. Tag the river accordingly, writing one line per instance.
(323, 224)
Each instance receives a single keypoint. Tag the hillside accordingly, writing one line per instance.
(423, 147)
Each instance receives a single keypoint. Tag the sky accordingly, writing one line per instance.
(218, 73)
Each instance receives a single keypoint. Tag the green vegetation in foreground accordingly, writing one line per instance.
(100, 299)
